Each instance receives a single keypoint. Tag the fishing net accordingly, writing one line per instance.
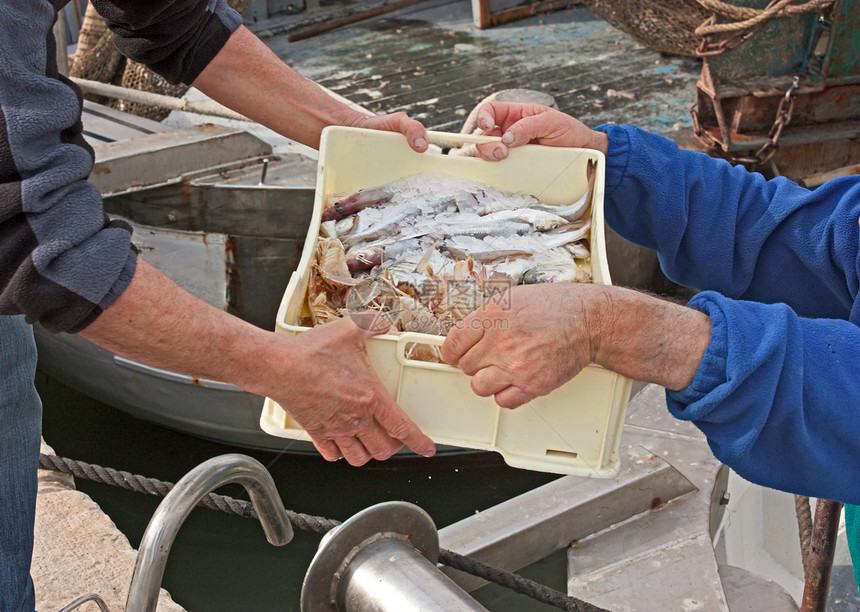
(667, 26)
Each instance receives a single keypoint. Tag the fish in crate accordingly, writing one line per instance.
(427, 250)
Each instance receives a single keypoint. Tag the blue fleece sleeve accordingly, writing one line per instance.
(776, 396)
(177, 39)
(717, 226)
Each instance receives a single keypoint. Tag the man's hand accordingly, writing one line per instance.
(414, 130)
(550, 332)
(520, 124)
(325, 380)
(322, 377)
(521, 352)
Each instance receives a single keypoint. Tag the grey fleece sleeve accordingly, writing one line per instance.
(62, 262)
(176, 39)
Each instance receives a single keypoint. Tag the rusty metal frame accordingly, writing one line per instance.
(776, 74)
(820, 563)
(484, 19)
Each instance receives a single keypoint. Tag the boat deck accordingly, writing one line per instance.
(432, 62)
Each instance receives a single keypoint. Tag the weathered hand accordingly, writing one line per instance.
(526, 350)
(415, 132)
(520, 124)
(329, 386)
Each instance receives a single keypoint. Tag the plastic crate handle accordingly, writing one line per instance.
(444, 139)
(415, 338)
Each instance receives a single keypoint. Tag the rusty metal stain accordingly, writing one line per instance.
(235, 298)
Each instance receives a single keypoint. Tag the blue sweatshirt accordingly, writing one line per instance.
(62, 261)
(776, 393)
(777, 390)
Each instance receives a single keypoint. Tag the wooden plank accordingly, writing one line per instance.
(434, 64)
(484, 18)
(343, 21)
(819, 179)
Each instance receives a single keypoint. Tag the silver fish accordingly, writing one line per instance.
(578, 250)
(386, 228)
(482, 256)
(539, 219)
(574, 211)
(565, 234)
(554, 273)
(480, 230)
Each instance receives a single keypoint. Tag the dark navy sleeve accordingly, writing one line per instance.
(176, 38)
(62, 262)
(720, 227)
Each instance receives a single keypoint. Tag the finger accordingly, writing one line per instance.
(478, 357)
(400, 427)
(503, 114)
(463, 336)
(328, 449)
(416, 134)
(379, 443)
(486, 117)
(529, 129)
(353, 450)
(414, 130)
(493, 151)
(513, 397)
(489, 381)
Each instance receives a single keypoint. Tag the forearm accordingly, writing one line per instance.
(647, 338)
(156, 322)
(249, 78)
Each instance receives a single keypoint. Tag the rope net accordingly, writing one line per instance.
(667, 26)
(676, 27)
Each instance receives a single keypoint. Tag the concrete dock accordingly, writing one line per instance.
(78, 550)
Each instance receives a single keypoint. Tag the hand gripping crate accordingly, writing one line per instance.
(576, 429)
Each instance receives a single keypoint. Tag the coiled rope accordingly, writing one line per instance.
(804, 527)
(317, 524)
(747, 17)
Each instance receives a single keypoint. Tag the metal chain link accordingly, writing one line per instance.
(783, 118)
(768, 149)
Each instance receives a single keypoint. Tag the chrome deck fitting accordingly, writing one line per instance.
(383, 559)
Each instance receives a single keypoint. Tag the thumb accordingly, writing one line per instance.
(526, 130)
(371, 322)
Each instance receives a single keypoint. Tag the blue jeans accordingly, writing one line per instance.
(20, 434)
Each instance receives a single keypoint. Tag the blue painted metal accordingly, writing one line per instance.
(740, 90)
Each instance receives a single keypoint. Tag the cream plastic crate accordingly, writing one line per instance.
(576, 429)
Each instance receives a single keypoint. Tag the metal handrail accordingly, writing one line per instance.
(177, 505)
(84, 599)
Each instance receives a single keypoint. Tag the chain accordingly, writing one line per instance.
(768, 149)
(783, 118)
